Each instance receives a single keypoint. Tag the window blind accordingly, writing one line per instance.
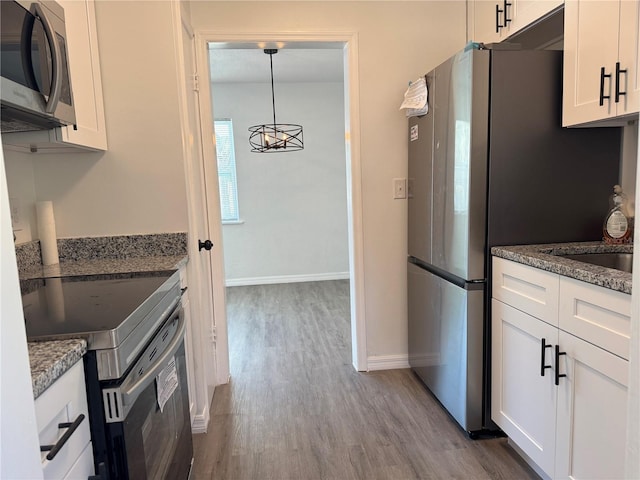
(227, 181)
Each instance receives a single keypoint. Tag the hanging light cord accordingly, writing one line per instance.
(273, 95)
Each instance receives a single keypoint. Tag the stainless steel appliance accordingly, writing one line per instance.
(135, 366)
(35, 88)
(489, 164)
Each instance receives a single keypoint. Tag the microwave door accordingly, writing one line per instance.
(49, 61)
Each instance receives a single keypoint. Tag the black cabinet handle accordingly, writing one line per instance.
(544, 347)
(71, 427)
(207, 245)
(558, 374)
(506, 12)
(618, 72)
(602, 77)
(498, 12)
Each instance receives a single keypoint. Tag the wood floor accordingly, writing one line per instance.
(296, 409)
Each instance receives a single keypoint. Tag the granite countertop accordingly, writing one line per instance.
(105, 266)
(50, 360)
(546, 257)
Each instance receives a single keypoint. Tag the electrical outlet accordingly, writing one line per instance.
(14, 203)
(399, 188)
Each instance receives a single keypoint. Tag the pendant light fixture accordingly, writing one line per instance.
(275, 137)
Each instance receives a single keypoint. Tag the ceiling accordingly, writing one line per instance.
(241, 65)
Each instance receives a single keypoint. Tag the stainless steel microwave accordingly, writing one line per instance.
(35, 93)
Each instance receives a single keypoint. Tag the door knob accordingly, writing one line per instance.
(207, 245)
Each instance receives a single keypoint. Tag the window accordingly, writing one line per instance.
(225, 152)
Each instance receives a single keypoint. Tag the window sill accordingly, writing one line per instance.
(232, 222)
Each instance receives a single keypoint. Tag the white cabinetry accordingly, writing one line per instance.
(59, 409)
(89, 132)
(601, 59)
(561, 399)
(523, 394)
(592, 411)
(493, 21)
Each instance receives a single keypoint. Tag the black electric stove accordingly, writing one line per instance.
(116, 314)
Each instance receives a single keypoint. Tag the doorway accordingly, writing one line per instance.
(346, 44)
(284, 213)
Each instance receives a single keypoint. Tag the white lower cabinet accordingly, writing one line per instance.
(523, 395)
(59, 407)
(592, 411)
(561, 399)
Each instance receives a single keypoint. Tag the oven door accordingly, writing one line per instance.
(148, 425)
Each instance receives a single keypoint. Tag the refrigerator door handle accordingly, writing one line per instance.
(476, 284)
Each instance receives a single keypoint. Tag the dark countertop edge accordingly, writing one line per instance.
(545, 257)
(137, 265)
(49, 360)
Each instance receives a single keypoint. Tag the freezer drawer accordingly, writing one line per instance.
(446, 343)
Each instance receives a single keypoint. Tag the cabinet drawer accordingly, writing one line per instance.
(598, 315)
(526, 288)
(63, 402)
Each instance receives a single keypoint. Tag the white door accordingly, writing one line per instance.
(199, 269)
(523, 393)
(592, 411)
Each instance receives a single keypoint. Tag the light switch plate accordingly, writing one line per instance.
(399, 188)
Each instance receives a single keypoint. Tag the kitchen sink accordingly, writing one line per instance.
(618, 261)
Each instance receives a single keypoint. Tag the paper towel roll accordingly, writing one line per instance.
(47, 233)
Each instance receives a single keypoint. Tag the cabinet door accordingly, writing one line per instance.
(629, 56)
(523, 395)
(86, 80)
(524, 12)
(590, 43)
(592, 411)
(485, 16)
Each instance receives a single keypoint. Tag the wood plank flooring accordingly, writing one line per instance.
(296, 409)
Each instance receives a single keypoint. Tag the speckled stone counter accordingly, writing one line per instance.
(50, 360)
(546, 257)
(105, 266)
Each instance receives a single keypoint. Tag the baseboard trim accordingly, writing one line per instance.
(316, 277)
(387, 362)
(199, 424)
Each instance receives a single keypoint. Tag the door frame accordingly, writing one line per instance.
(349, 42)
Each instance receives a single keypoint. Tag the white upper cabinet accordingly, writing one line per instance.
(494, 21)
(601, 49)
(89, 132)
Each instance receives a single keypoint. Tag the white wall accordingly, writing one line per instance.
(19, 455)
(397, 42)
(293, 205)
(22, 195)
(137, 186)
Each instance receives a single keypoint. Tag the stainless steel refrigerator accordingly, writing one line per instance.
(490, 164)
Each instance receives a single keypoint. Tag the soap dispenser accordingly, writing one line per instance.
(617, 225)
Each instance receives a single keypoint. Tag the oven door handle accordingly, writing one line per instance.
(119, 400)
(132, 392)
